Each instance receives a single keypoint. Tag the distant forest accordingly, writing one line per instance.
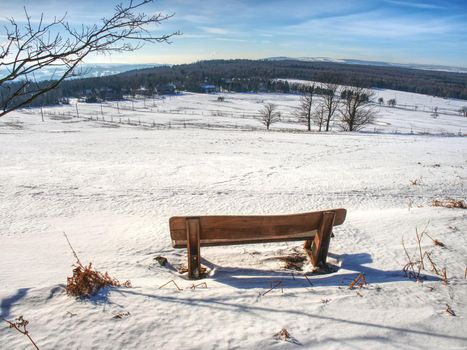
(258, 76)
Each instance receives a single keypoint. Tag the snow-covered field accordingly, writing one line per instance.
(112, 187)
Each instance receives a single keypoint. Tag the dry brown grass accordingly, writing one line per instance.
(120, 315)
(284, 335)
(416, 181)
(293, 261)
(86, 282)
(449, 203)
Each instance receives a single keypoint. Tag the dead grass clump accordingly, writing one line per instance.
(284, 335)
(293, 261)
(416, 262)
(182, 269)
(20, 324)
(449, 203)
(86, 282)
(416, 181)
(121, 315)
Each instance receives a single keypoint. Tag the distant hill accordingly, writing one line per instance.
(372, 63)
(88, 70)
(255, 75)
(242, 75)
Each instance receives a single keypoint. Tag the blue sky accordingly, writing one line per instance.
(403, 31)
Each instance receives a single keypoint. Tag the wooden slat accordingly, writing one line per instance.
(223, 230)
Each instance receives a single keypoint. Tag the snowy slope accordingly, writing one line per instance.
(112, 188)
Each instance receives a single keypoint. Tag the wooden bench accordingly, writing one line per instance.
(193, 232)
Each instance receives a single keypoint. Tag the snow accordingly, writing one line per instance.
(112, 188)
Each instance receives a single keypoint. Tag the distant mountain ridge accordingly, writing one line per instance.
(89, 70)
(433, 67)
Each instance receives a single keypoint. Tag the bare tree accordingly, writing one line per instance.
(58, 44)
(268, 115)
(381, 101)
(330, 102)
(318, 116)
(304, 111)
(392, 102)
(356, 110)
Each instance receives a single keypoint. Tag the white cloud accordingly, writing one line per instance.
(214, 30)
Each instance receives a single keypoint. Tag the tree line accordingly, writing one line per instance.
(254, 76)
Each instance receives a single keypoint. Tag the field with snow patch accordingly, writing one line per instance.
(112, 183)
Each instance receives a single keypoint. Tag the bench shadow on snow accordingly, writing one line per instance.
(353, 264)
(7, 303)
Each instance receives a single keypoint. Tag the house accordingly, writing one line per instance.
(208, 88)
(166, 89)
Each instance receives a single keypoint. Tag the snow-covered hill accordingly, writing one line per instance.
(112, 187)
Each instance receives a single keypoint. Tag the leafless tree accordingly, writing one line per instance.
(269, 115)
(330, 102)
(58, 44)
(318, 116)
(356, 110)
(304, 111)
(392, 102)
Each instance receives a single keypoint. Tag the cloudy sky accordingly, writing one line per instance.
(403, 31)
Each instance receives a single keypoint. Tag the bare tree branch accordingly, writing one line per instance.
(58, 44)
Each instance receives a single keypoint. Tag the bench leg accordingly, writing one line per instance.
(193, 247)
(317, 249)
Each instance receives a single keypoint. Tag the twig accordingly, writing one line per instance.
(410, 264)
(360, 279)
(435, 270)
(277, 283)
(180, 289)
(74, 252)
(444, 276)
(19, 323)
(449, 310)
(202, 284)
(419, 238)
(435, 241)
(311, 284)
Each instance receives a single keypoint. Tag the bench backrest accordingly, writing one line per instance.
(225, 230)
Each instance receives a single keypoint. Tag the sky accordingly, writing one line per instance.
(398, 31)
